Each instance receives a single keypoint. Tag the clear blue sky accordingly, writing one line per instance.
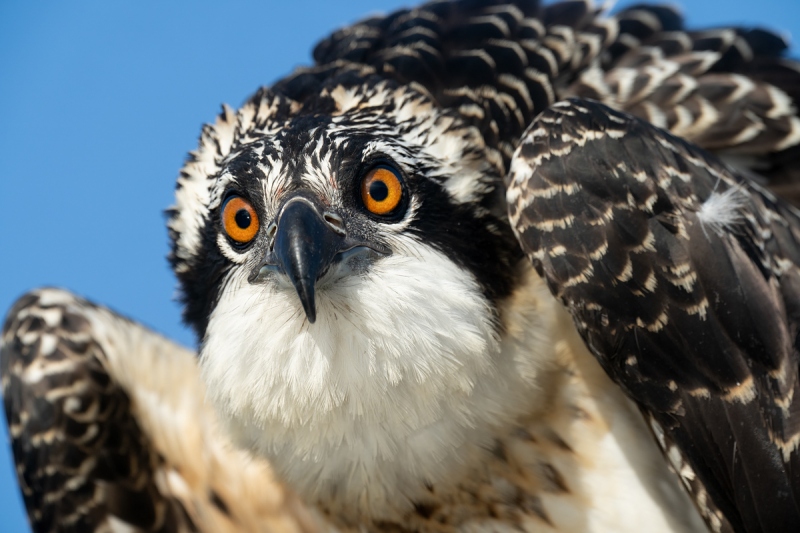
(100, 101)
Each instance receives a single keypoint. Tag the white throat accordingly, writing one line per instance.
(401, 382)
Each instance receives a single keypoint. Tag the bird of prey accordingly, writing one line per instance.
(485, 266)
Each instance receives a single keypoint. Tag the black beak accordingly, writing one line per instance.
(304, 247)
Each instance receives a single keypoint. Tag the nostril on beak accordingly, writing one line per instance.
(271, 230)
(335, 222)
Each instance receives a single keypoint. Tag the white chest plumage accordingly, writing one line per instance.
(393, 386)
(403, 404)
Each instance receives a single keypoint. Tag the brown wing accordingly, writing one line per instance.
(683, 280)
(110, 429)
(501, 63)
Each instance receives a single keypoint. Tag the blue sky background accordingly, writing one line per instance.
(99, 103)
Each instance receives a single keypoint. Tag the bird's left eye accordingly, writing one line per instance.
(239, 219)
(382, 190)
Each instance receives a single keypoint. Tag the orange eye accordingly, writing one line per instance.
(381, 190)
(239, 219)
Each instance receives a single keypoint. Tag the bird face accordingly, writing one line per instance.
(342, 261)
(305, 192)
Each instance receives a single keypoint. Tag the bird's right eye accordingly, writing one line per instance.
(239, 219)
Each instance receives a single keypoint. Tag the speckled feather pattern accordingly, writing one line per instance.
(115, 434)
(465, 399)
(600, 199)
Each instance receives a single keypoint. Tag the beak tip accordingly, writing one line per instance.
(311, 313)
(304, 246)
(306, 293)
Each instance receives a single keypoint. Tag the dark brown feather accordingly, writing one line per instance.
(502, 63)
(692, 308)
(82, 459)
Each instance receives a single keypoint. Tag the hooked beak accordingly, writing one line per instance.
(306, 243)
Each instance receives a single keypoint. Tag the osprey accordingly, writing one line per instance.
(477, 269)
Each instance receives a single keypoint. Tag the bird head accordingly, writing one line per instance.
(342, 254)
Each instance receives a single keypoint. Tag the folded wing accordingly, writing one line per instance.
(682, 278)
